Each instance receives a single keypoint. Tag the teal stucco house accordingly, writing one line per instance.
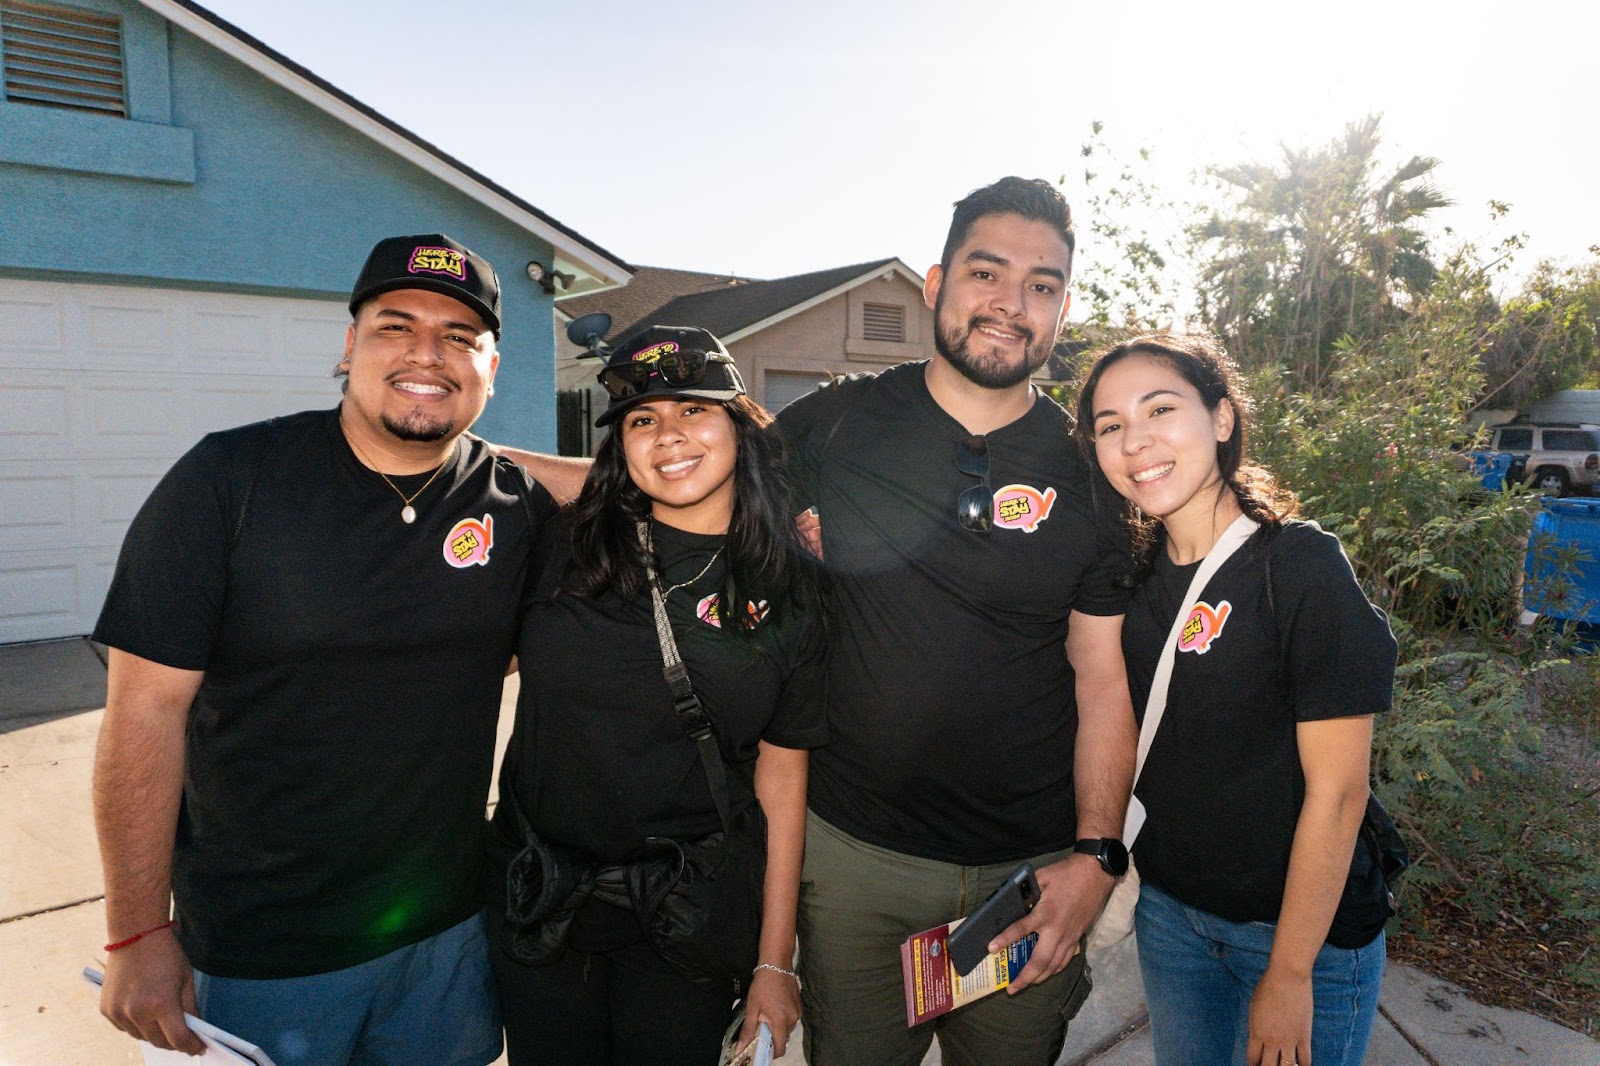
(182, 213)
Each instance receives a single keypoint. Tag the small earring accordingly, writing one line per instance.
(491, 390)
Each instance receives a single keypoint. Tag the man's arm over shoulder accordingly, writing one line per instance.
(138, 782)
(562, 476)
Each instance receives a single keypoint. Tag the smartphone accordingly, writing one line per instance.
(969, 944)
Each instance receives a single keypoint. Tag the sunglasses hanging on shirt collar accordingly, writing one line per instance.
(975, 508)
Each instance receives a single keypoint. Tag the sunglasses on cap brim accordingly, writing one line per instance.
(679, 370)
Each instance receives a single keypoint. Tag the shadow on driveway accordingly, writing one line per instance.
(47, 680)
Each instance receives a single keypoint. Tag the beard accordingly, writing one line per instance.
(989, 369)
(417, 426)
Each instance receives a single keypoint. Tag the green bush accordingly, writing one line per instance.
(1459, 758)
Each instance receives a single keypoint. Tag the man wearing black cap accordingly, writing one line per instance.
(309, 625)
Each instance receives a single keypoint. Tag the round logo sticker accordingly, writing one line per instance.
(1022, 507)
(1203, 626)
(468, 542)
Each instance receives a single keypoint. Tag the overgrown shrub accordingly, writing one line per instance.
(1459, 758)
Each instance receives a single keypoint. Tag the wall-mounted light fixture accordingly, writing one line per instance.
(547, 278)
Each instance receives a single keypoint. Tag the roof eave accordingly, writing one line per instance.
(894, 266)
(594, 267)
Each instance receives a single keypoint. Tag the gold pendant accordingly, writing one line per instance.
(408, 514)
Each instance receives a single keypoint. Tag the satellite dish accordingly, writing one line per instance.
(587, 331)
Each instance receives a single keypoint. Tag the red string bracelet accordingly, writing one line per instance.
(135, 938)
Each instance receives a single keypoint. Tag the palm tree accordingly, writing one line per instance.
(1316, 252)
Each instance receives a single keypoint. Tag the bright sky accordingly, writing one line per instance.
(766, 139)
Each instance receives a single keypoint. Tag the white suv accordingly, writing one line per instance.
(1562, 458)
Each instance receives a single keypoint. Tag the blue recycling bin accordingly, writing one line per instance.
(1491, 468)
(1576, 522)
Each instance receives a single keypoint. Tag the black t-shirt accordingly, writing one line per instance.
(597, 761)
(1223, 785)
(951, 710)
(340, 746)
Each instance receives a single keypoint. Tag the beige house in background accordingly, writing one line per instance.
(788, 335)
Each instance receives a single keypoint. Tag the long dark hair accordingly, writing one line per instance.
(1203, 362)
(766, 559)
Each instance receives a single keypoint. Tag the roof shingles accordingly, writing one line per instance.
(727, 308)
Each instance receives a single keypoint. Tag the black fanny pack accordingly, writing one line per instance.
(698, 903)
(1370, 890)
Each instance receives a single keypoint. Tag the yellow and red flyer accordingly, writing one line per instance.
(932, 985)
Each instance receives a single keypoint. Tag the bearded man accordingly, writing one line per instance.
(978, 711)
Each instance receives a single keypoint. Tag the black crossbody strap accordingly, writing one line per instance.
(691, 713)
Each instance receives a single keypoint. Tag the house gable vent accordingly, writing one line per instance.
(884, 322)
(62, 57)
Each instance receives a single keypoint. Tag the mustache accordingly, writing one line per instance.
(976, 321)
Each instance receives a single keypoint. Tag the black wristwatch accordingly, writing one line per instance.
(1108, 852)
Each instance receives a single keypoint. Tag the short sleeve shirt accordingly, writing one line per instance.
(338, 752)
(597, 761)
(1222, 785)
(951, 708)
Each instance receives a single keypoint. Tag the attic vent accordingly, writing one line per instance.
(62, 57)
(884, 322)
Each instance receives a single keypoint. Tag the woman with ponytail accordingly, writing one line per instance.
(1259, 939)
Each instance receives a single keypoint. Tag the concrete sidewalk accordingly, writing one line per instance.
(52, 919)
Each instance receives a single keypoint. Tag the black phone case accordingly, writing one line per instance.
(969, 944)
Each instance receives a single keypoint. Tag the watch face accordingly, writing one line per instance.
(1108, 851)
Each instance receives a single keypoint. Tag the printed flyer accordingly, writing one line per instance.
(932, 985)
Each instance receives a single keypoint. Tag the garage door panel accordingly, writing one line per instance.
(37, 506)
(67, 502)
(102, 388)
(215, 409)
(39, 414)
(213, 333)
(313, 345)
(118, 498)
(780, 388)
(116, 415)
(128, 332)
(48, 592)
(30, 325)
(37, 598)
(312, 400)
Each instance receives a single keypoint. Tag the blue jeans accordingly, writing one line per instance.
(430, 1002)
(1200, 972)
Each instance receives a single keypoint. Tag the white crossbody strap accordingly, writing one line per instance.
(1156, 706)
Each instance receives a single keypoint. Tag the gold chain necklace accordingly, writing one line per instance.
(408, 513)
(703, 570)
(650, 546)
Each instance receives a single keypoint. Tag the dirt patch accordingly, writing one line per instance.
(1521, 962)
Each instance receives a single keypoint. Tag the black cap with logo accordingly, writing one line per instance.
(681, 362)
(434, 262)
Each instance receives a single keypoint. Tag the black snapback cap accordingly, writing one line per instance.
(434, 262)
(719, 380)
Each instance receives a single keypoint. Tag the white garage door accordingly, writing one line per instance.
(101, 388)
